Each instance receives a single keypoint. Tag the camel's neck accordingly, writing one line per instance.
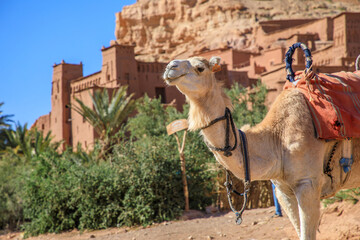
(262, 164)
(205, 109)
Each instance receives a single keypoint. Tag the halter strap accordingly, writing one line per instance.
(227, 153)
(228, 183)
(229, 122)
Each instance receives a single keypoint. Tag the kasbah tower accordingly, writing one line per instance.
(334, 42)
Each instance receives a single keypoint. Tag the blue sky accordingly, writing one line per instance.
(36, 34)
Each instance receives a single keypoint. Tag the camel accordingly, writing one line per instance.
(282, 148)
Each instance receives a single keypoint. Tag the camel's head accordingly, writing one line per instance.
(194, 77)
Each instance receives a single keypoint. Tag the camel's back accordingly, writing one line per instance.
(289, 117)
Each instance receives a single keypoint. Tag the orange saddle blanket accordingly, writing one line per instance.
(334, 103)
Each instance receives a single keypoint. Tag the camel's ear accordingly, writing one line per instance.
(215, 64)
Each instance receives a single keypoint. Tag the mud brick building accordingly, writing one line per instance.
(334, 42)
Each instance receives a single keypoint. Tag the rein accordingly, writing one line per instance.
(227, 153)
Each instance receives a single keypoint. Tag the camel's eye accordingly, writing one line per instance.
(200, 69)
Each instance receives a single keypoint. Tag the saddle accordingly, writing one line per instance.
(333, 100)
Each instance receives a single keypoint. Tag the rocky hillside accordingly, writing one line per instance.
(165, 29)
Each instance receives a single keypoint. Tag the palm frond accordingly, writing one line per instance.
(108, 112)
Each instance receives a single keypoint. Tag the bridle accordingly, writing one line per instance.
(229, 120)
(227, 153)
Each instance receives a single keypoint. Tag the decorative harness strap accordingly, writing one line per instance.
(227, 153)
(228, 183)
(288, 60)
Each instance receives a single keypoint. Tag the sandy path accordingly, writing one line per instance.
(339, 221)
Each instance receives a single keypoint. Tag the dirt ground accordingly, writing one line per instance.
(339, 221)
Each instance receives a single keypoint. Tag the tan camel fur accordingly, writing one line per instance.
(282, 148)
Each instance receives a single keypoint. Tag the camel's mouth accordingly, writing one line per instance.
(176, 69)
(169, 79)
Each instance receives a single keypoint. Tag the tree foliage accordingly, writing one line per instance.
(25, 142)
(249, 104)
(5, 120)
(141, 185)
(107, 114)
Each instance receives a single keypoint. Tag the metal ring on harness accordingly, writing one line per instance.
(228, 183)
(288, 60)
(229, 190)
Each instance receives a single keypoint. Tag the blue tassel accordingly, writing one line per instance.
(346, 164)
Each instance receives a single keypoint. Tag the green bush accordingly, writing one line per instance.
(12, 170)
(140, 183)
(249, 105)
(155, 155)
(351, 195)
(64, 192)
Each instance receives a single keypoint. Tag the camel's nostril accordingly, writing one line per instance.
(173, 66)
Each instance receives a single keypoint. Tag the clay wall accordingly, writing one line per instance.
(268, 60)
(60, 97)
(332, 69)
(339, 47)
(345, 47)
(322, 27)
(274, 82)
(276, 25)
(325, 57)
(273, 57)
(241, 59)
(240, 77)
(233, 58)
(43, 124)
(353, 34)
(150, 79)
(119, 67)
(151, 83)
(81, 131)
(85, 83)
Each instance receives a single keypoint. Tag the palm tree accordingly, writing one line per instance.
(40, 143)
(19, 141)
(4, 124)
(4, 119)
(28, 143)
(107, 114)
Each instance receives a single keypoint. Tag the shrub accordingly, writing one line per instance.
(351, 195)
(249, 105)
(11, 182)
(156, 158)
(140, 183)
(64, 192)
